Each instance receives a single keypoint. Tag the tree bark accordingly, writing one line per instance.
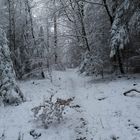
(55, 37)
(84, 34)
(120, 63)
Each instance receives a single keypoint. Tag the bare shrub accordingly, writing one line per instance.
(51, 111)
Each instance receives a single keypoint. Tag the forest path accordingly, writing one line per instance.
(104, 112)
(104, 107)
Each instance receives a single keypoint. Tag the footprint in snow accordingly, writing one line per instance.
(35, 134)
(134, 125)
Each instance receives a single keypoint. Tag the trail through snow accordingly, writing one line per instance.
(104, 113)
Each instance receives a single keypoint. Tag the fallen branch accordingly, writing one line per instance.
(127, 92)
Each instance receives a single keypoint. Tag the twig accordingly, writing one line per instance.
(102, 123)
(125, 93)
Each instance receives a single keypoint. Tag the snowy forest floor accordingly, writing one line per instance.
(104, 113)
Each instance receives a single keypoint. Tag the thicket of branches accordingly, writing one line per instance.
(98, 36)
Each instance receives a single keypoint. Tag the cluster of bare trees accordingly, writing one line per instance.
(97, 36)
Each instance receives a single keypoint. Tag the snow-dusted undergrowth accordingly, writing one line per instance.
(103, 112)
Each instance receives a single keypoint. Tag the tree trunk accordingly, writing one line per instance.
(120, 61)
(55, 36)
(84, 34)
(31, 20)
(12, 34)
(108, 12)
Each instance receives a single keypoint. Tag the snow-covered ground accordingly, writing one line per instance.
(104, 113)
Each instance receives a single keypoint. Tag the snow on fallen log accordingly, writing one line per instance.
(132, 93)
